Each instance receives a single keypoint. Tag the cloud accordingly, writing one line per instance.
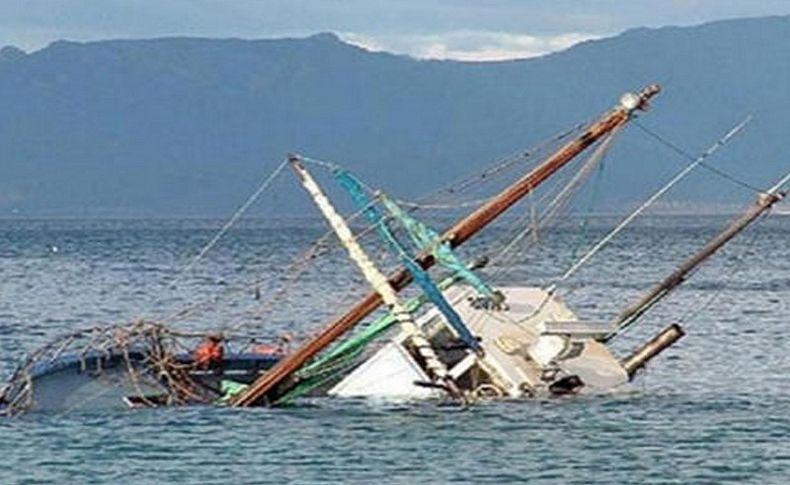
(466, 45)
(446, 29)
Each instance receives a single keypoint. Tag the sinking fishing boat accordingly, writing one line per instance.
(479, 342)
(460, 338)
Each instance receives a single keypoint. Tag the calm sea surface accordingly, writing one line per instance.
(715, 408)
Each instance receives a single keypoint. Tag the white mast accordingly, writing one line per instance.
(436, 368)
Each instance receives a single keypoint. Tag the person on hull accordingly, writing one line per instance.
(209, 354)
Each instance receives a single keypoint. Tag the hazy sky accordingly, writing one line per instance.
(463, 29)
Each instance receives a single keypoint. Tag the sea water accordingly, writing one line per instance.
(714, 408)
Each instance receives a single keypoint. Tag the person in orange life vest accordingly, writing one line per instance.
(210, 352)
(277, 350)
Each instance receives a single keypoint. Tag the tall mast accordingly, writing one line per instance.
(763, 203)
(276, 377)
(436, 368)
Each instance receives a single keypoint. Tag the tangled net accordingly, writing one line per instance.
(152, 356)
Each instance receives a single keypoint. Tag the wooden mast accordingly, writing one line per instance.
(763, 203)
(271, 382)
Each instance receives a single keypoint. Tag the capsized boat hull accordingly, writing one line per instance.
(102, 382)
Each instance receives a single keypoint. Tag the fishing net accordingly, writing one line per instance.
(151, 363)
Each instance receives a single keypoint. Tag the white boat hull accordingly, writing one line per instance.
(523, 356)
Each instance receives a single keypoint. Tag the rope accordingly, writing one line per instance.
(160, 355)
(683, 153)
(225, 228)
(695, 311)
(436, 368)
(314, 252)
(508, 162)
(417, 205)
(558, 202)
(157, 365)
(297, 268)
(584, 229)
(652, 199)
(639, 210)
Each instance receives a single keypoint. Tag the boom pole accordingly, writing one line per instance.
(763, 203)
(275, 381)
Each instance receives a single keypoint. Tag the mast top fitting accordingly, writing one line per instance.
(639, 101)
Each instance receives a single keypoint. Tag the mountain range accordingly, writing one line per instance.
(190, 126)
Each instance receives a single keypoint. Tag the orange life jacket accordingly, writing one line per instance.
(209, 353)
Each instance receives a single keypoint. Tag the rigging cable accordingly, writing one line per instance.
(740, 264)
(491, 172)
(776, 189)
(488, 174)
(558, 202)
(639, 210)
(683, 153)
(297, 268)
(225, 228)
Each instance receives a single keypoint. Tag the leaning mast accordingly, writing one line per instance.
(436, 368)
(765, 201)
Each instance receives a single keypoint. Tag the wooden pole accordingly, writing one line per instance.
(645, 353)
(631, 314)
(437, 370)
(273, 383)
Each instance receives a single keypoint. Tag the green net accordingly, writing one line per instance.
(345, 356)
